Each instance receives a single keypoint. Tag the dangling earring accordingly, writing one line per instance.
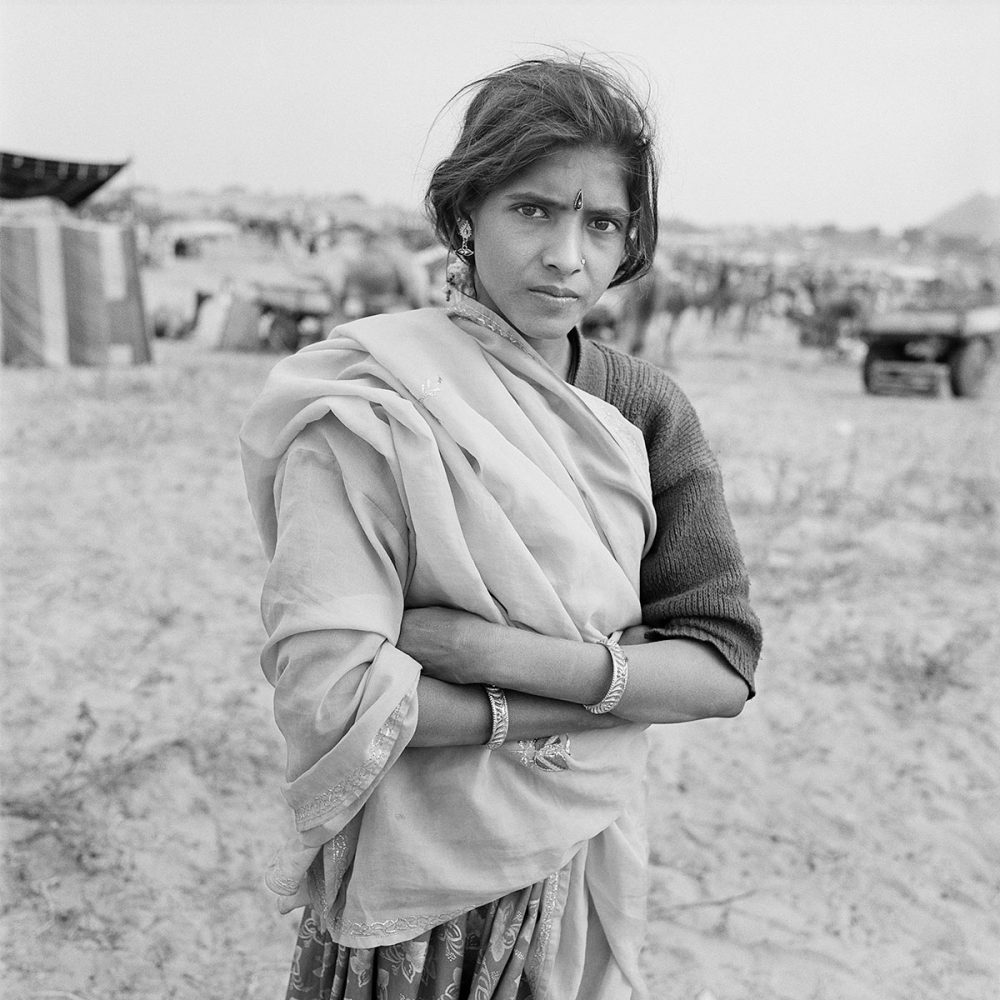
(465, 231)
(459, 273)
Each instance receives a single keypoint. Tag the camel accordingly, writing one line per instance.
(170, 322)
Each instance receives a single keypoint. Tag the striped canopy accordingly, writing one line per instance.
(70, 182)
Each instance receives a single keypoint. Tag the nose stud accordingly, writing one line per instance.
(583, 260)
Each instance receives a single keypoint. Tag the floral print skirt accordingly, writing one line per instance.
(480, 955)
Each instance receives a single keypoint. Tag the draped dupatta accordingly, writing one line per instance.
(433, 458)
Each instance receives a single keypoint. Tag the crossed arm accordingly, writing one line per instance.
(549, 680)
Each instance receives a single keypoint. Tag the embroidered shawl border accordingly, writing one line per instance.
(321, 805)
(417, 924)
(424, 922)
(477, 314)
(550, 900)
(331, 873)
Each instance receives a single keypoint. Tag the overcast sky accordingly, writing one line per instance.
(802, 111)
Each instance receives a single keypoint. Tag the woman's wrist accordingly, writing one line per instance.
(546, 667)
(460, 715)
(530, 716)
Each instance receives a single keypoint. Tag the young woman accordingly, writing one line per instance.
(498, 552)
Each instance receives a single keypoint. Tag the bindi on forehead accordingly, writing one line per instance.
(557, 182)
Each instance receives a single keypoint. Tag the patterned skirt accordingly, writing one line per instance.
(480, 955)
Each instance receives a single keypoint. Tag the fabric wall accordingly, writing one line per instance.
(20, 297)
(86, 310)
(69, 290)
(241, 329)
(32, 295)
(126, 312)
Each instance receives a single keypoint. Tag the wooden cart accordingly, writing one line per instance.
(295, 314)
(916, 350)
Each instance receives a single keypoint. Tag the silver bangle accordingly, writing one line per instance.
(619, 678)
(501, 717)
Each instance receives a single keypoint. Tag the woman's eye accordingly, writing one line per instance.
(606, 225)
(531, 211)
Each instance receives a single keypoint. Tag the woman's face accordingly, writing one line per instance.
(548, 243)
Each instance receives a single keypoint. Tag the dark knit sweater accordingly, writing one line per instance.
(693, 581)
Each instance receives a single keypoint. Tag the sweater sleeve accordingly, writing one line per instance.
(693, 581)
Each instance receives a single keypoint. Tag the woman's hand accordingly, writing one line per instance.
(674, 680)
(459, 647)
(453, 646)
(634, 636)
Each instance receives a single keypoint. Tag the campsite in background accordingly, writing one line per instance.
(239, 271)
(839, 842)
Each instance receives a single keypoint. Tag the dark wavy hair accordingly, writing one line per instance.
(523, 113)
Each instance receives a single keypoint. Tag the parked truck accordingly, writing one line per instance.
(918, 349)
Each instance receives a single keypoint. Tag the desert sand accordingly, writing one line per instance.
(840, 840)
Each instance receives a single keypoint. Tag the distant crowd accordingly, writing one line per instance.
(366, 271)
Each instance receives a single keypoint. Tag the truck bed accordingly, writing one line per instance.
(978, 321)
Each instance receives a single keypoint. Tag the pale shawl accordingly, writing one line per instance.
(428, 458)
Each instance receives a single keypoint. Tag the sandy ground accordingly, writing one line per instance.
(840, 840)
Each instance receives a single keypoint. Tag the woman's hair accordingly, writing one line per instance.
(523, 113)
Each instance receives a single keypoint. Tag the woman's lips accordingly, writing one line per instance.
(556, 293)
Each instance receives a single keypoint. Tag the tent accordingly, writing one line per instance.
(231, 321)
(69, 291)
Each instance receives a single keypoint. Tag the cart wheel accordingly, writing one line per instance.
(876, 353)
(967, 367)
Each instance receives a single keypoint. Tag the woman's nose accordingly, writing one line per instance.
(564, 252)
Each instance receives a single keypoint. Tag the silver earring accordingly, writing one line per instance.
(465, 231)
(459, 272)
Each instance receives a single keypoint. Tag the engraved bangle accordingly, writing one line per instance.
(501, 717)
(619, 678)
